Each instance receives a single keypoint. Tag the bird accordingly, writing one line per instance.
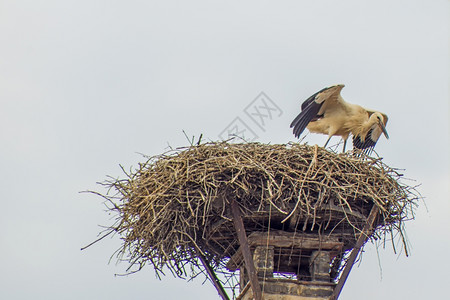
(326, 112)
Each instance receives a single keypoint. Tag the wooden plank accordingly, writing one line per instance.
(235, 261)
(285, 239)
(364, 235)
(248, 259)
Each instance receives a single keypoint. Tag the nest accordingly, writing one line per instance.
(177, 205)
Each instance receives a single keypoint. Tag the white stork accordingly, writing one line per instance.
(326, 112)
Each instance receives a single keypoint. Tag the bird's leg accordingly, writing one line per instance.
(327, 141)
(345, 143)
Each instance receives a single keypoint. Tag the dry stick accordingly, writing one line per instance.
(313, 163)
(364, 235)
(99, 239)
(212, 276)
(243, 242)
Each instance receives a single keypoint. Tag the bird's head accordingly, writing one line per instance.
(378, 119)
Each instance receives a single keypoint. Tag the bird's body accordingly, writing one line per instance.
(326, 112)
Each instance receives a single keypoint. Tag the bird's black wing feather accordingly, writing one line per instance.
(366, 146)
(309, 112)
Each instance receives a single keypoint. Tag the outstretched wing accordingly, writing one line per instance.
(371, 137)
(311, 108)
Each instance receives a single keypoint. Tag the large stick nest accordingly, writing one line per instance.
(177, 205)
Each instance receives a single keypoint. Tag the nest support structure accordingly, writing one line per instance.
(175, 211)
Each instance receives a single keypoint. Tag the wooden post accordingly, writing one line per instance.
(243, 242)
(264, 263)
(364, 235)
(212, 276)
(319, 266)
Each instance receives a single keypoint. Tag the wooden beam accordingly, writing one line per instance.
(248, 259)
(212, 276)
(285, 239)
(235, 261)
(364, 235)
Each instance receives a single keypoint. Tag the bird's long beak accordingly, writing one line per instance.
(384, 130)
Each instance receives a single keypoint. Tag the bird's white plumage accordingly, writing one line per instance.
(326, 112)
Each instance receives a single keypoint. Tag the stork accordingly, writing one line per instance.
(326, 112)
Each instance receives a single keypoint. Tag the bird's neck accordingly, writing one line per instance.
(366, 126)
(360, 124)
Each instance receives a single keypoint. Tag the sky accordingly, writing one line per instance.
(86, 86)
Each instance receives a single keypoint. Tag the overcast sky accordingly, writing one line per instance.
(88, 85)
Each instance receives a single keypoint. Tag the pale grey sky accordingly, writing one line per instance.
(86, 85)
